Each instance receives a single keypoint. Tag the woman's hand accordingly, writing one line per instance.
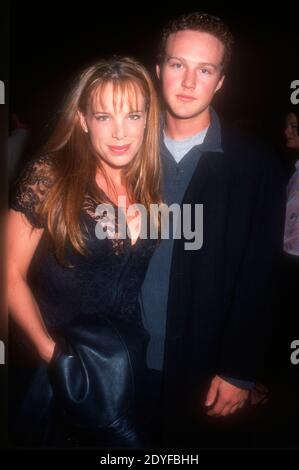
(46, 350)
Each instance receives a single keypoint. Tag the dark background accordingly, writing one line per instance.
(51, 40)
(3, 205)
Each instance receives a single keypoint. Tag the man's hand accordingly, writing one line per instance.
(259, 395)
(224, 398)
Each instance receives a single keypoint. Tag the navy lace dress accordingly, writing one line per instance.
(107, 280)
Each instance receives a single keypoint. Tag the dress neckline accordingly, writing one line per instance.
(128, 231)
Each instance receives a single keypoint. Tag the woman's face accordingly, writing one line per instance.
(291, 131)
(115, 121)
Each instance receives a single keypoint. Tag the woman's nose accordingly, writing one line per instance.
(288, 132)
(119, 131)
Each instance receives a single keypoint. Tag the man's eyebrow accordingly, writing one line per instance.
(208, 64)
(205, 64)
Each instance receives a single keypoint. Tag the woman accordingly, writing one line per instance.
(289, 140)
(104, 146)
(291, 236)
(284, 387)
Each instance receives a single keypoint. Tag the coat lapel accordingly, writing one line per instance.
(208, 176)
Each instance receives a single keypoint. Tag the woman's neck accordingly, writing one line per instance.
(113, 184)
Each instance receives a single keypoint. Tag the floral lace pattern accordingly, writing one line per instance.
(106, 281)
(31, 189)
(107, 220)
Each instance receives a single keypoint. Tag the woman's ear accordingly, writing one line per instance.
(82, 121)
(158, 71)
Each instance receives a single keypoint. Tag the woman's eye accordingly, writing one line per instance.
(102, 118)
(134, 117)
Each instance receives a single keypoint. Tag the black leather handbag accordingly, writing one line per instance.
(94, 382)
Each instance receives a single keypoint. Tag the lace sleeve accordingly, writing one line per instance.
(31, 189)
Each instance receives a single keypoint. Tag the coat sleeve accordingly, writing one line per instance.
(250, 318)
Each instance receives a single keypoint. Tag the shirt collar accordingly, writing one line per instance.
(212, 141)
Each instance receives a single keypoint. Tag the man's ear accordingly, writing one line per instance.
(82, 121)
(220, 83)
(158, 71)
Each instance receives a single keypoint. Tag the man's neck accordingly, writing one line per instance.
(180, 129)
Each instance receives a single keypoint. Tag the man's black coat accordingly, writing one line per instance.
(220, 297)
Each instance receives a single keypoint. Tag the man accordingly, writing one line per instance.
(208, 310)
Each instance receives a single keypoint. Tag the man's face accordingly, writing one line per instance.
(191, 72)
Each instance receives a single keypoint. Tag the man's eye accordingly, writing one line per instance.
(205, 71)
(176, 65)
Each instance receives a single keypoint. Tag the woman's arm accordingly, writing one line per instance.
(21, 244)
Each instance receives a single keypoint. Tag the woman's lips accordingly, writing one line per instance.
(119, 149)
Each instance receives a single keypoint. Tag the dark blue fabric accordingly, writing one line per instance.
(154, 293)
(106, 281)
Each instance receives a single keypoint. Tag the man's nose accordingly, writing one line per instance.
(189, 79)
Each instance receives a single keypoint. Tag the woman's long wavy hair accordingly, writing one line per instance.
(75, 163)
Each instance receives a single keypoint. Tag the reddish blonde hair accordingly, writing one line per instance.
(75, 167)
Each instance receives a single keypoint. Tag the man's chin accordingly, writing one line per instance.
(184, 114)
